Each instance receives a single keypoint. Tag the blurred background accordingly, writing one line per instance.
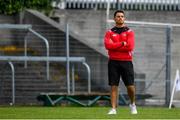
(24, 22)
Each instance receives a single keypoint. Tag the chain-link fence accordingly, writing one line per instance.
(156, 52)
(156, 55)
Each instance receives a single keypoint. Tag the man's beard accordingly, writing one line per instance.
(120, 23)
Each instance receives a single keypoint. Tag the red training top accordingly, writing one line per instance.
(120, 43)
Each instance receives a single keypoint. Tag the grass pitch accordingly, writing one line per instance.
(58, 112)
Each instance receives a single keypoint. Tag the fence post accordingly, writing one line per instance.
(13, 82)
(168, 64)
(67, 58)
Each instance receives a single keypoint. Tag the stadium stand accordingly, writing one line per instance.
(91, 24)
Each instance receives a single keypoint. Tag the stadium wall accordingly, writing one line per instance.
(91, 24)
(5, 19)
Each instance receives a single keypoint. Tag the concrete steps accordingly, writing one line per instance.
(30, 82)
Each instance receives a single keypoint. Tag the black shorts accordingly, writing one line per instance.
(120, 69)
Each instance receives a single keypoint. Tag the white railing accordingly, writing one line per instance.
(68, 59)
(168, 5)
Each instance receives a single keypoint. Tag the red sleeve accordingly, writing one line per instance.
(130, 42)
(109, 44)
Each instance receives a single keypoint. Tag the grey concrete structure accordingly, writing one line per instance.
(87, 28)
(7, 19)
(149, 56)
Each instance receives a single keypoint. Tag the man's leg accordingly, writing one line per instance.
(114, 92)
(131, 93)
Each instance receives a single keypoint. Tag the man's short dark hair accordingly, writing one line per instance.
(118, 11)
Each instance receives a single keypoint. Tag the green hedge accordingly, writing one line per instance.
(11, 7)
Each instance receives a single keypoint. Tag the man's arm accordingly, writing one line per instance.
(129, 44)
(109, 44)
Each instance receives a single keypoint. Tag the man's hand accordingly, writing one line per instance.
(124, 43)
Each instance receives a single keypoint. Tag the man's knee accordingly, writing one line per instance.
(131, 88)
(114, 88)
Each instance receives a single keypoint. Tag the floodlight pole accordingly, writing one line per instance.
(168, 64)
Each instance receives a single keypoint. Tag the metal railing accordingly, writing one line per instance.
(29, 28)
(55, 59)
(167, 5)
(168, 51)
(68, 59)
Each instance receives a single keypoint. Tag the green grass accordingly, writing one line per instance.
(58, 112)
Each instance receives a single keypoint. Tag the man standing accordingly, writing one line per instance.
(119, 41)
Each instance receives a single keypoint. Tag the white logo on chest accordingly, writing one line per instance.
(124, 35)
